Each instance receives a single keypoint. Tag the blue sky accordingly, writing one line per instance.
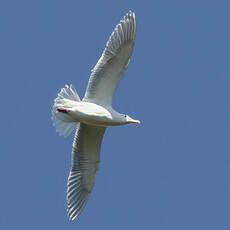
(170, 172)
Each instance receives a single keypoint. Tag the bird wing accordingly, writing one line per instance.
(85, 163)
(112, 64)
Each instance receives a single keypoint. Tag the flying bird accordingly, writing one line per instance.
(94, 113)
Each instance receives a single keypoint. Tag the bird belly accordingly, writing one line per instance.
(93, 114)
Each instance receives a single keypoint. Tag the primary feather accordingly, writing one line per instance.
(85, 163)
(112, 64)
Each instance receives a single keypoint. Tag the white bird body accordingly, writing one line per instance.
(93, 113)
(98, 115)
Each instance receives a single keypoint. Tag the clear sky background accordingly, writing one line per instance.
(170, 172)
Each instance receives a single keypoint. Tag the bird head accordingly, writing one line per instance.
(129, 120)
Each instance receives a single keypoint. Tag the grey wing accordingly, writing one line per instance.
(85, 163)
(112, 65)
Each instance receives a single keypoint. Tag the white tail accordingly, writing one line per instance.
(66, 98)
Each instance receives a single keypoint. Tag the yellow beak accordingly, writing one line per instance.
(136, 121)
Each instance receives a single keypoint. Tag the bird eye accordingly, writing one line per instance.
(125, 115)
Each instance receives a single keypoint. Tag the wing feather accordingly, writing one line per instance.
(112, 65)
(85, 163)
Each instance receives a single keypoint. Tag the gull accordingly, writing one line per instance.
(94, 113)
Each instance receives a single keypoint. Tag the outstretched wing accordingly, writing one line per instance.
(85, 163)
(112, 65)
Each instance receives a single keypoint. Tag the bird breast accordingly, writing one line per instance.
(92, 114)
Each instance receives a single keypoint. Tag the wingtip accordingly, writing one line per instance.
(71, 219)
(131, 13)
